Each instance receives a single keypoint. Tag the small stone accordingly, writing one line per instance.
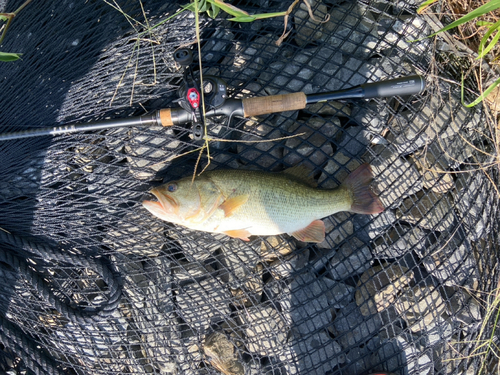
(265, 330)
(441, 118)
(283, 78)
(398, 241)
(240, 259)
(249, 291)
(451, 262)
(266, 154)
(314, 146)
(185, 271)
(220, 40)
(372, 227)
(358, 360)
(379, 286)
(336, 170)
(420, 306)
(288, 265)
(201, 302)
(330, 108)
(129, 238)
(305, 304)
(463, 307)
(354, 142)
(428, 210)
(395, 177)
(265, 47)
(337, 228)
(353, 258)
(273, 246)
(309, 29)
(221, 354)
(433, 169)
(439, 332)
(352, 29)
(352, 328)
(372, 115)
(474, 203)
(338, 294)
(317, 353)
(399, 353)
(147, 156)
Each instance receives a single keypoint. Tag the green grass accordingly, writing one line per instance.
(487, 43)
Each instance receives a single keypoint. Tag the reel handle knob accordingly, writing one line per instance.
(183, 56)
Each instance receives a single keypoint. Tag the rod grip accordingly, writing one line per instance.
(166, 117)
(263, 105)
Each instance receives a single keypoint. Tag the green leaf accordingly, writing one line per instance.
(214, 11)
(7, 56)
(261, 16)
(230, 9)
(202, 6)
(243, 19)
(484, 23)
(189, 7)
(482, 51)
(483, 9)
(482, 96)
(424, 5)
(3, 18)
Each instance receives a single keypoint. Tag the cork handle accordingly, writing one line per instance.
(166, 117)
(263, 105)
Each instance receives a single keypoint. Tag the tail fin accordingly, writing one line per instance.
(365, 201)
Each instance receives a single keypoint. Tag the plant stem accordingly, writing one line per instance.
(22, 7)
(10, 17)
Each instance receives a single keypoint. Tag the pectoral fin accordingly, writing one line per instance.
(242, 234)
(232, 204)
(314, 232)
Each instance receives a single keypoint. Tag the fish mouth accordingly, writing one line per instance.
(166, 208)
(168, 203)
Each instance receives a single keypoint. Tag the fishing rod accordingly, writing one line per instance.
(217, 104)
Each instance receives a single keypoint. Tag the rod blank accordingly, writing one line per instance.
(254, 106)
(91, 126)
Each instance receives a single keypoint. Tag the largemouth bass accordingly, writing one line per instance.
(243, 203)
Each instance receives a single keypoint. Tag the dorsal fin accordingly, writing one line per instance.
(301, 173)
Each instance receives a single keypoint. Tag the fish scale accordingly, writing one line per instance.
(276, 203)
(245, 203)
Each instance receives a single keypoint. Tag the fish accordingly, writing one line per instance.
(244, 203)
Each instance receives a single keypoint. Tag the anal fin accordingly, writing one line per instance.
(242, 234)
(314, 232)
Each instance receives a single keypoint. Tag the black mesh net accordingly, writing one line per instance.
(93, 283)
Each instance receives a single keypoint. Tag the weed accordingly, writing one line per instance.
(487, 43)
(8, 17)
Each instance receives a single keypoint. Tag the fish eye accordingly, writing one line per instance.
(172, 187)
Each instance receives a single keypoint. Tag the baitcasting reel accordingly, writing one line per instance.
(214, 92)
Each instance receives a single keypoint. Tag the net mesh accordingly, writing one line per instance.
(93, 283)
